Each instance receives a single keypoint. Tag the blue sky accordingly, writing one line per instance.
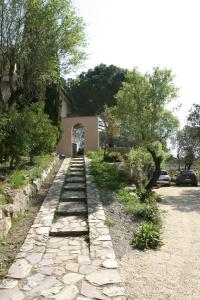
(145, 34)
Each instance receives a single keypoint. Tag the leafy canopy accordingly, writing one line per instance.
(94, 89)
(141, 106)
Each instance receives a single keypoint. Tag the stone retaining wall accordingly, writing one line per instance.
(20, 199)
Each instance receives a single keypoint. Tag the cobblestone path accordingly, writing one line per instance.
(68, 253)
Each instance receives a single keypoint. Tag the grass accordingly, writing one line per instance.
(19, 179)
(108, 176)
(4, 200)
(96, 155)
(40, 164)
(109, 223)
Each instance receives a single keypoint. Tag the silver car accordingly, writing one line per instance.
(164, 178)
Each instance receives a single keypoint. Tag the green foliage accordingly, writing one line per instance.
(147, 237)
(92, 90)
(19, 179)
(125, 196)
(28, 132)
(141, 111)
(108, 223)
(96, 155)
(4, 199)
(113, 156)
(41, 163)
(140, 158)
(148, 212)
(43, 38)
(53, 104)
(108, 176)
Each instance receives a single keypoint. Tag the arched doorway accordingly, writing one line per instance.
(91, 134)
(78, 139)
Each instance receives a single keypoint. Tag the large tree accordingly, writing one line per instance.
(94, 89)
(41, 39)
(188, 139)
(141, 109)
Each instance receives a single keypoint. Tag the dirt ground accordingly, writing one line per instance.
(9, 247)
(173, 272)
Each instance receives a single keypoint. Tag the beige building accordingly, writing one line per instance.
(90, 125)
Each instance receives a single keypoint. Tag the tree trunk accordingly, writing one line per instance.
(179, 162)
(156, 173)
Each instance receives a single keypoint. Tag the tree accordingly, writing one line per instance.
(111, 128)
(92, 90)
(39, 39)
(24, 133)
(141, 110)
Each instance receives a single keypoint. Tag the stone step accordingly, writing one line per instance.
(69, 226)
(72, 208)
(74, 186)
(77, 169)
(77, 164)
(77, 174)
(73, 196)
(75, 179)
(77, 160)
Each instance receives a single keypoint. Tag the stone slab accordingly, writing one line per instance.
(78, 169)
(75, 179)
(77, 174)
(73, 196)
(69, 226)
(75, 186)
(77, 164)
(72, 208)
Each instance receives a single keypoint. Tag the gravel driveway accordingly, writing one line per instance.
(173, 272)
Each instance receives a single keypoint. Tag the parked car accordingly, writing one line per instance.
(164, 178)
(186, 177)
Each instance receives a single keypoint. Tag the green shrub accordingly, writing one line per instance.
(35, 173)
(19, 179)
(149, 212)
(96, 155)
(3, 199)
(113, 157)
(147, 237)
(125, 196)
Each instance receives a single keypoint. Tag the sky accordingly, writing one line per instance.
(147, 34)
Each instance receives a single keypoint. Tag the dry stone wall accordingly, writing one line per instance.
(20, 199)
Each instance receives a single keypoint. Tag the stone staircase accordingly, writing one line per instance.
(71, 214)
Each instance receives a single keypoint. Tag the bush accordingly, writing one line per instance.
(147, 237)
(149, 196)
(96, 155)
(125, 196)
(149, 212)
(113, 157)
(26, 133)
(19, 179)
(132, 205)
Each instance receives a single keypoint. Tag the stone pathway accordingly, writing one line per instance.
(68, 253)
